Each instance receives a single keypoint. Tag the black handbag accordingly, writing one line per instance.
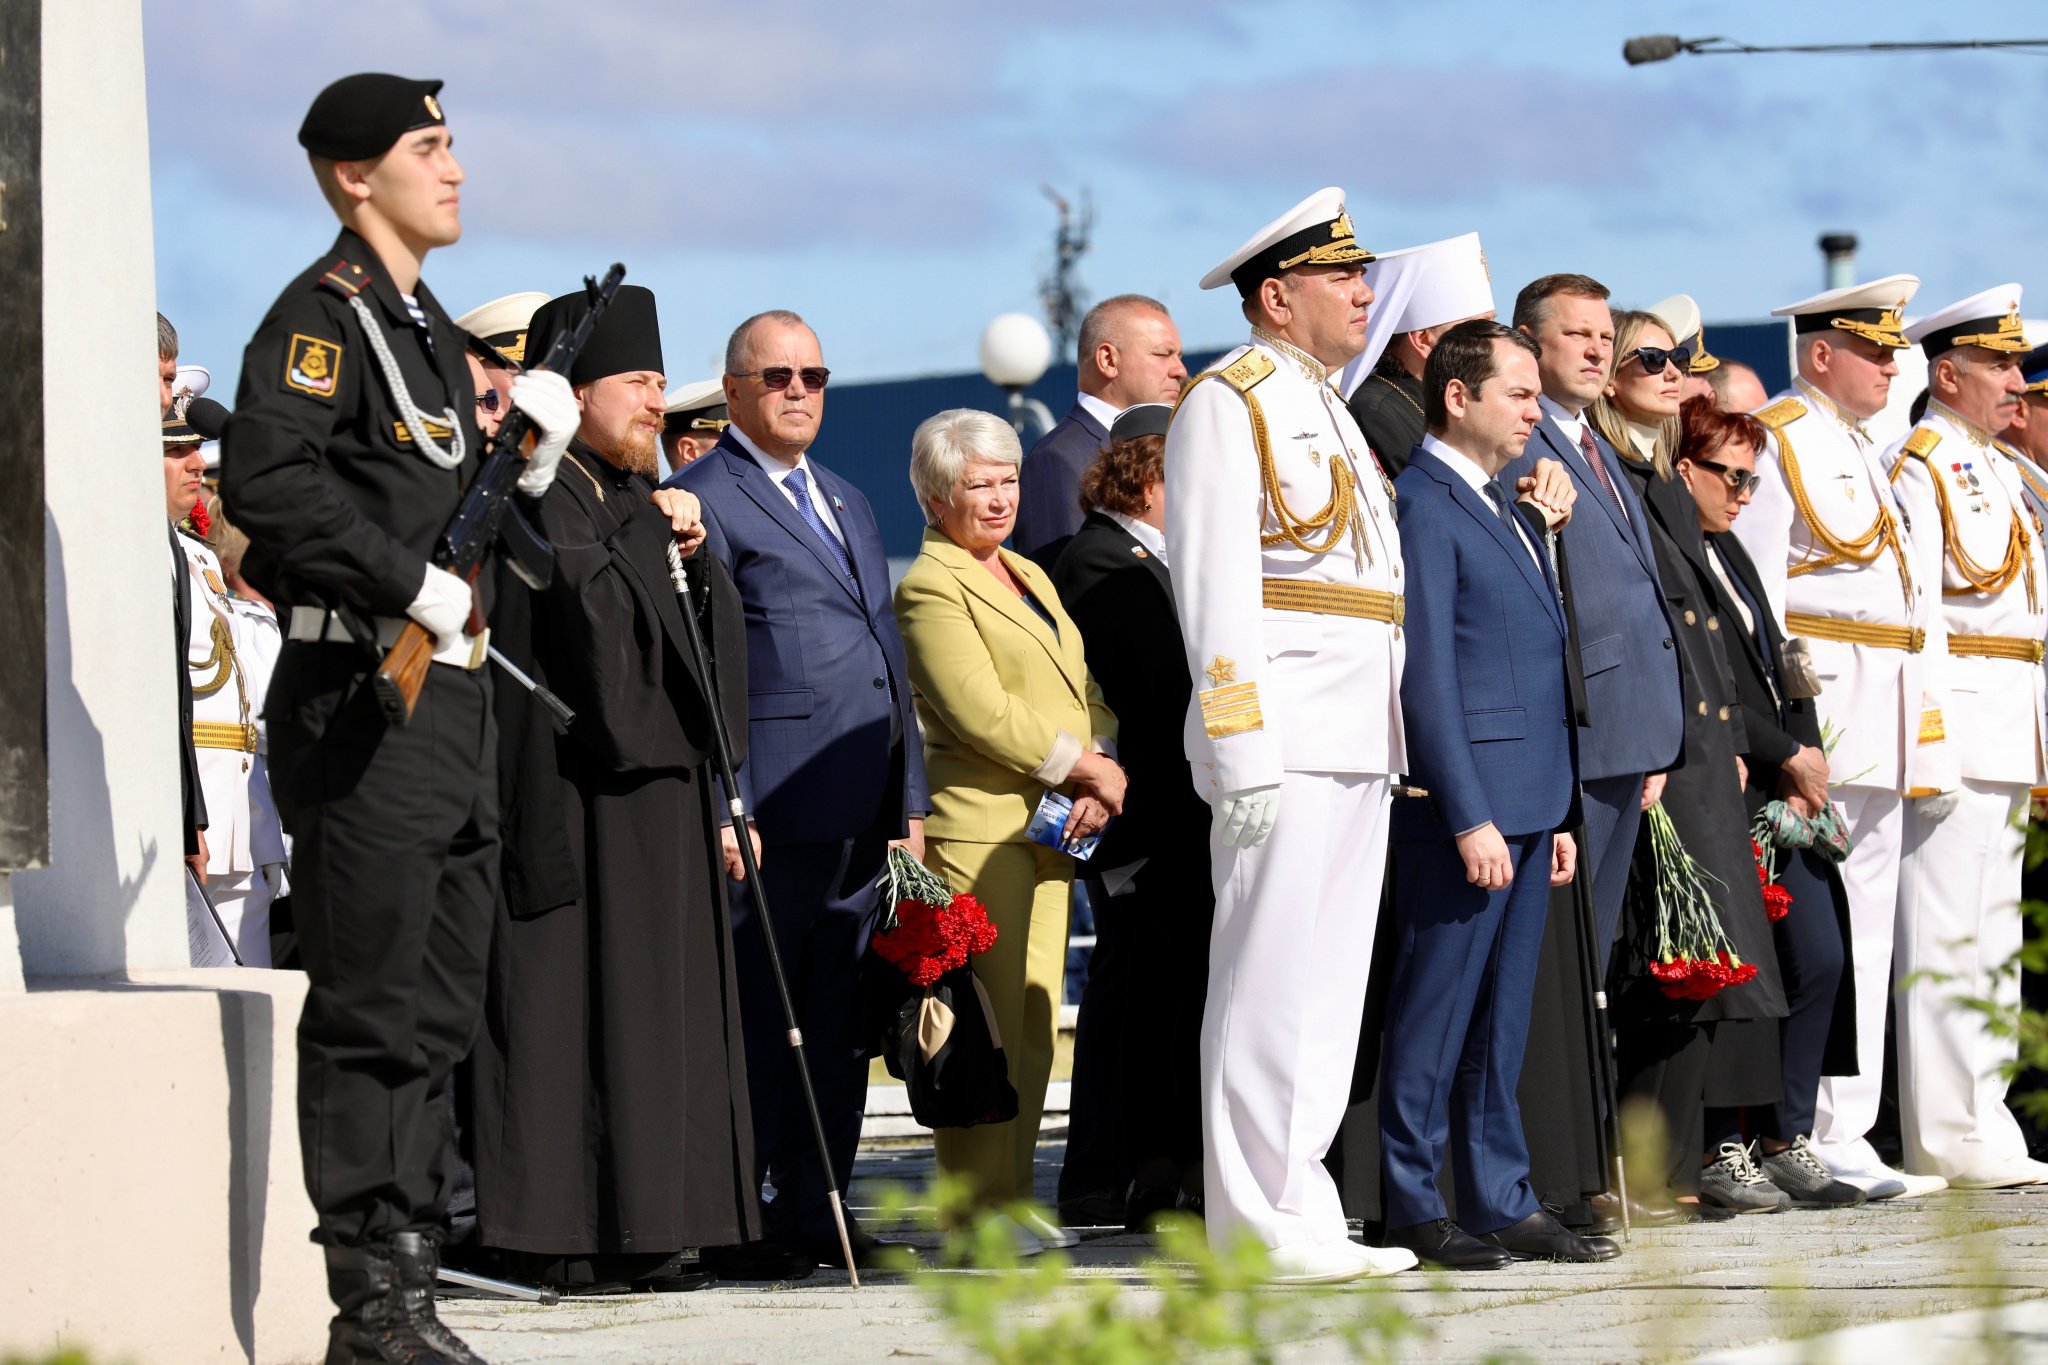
(942, 1043)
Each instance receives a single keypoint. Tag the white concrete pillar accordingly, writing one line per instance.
(111, 897)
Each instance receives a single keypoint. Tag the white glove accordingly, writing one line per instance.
(442, 606)
(1246, 815)
(1937, 806)
(550, 405)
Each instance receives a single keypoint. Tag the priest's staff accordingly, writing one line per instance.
(678, 578)
(1592, 967)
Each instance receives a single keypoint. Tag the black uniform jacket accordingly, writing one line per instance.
(341, 509)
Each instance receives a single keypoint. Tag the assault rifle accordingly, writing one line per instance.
(486, 518)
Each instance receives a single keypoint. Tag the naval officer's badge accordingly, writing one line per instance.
(312, 366)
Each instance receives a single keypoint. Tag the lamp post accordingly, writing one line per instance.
(1015, 351)
(1662, 47)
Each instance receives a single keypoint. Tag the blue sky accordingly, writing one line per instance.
(876, 166)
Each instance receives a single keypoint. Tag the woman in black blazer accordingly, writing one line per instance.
(1717, 461)
(1722, 1051)
(1137, 1107)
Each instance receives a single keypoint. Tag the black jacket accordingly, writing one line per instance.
(1388, 408)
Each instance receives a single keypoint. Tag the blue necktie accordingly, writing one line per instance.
(801, 486)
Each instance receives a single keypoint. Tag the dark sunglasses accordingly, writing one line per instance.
(1655, 358)
(778, 376)
(488, 400)
(1739, 481)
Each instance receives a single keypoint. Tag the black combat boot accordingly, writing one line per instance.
(419, 1267)
(374, 1325)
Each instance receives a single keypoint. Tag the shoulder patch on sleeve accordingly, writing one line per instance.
(1782, 413)
(1246, 371)
(312, 365)
(345, 278)
(1921, 443)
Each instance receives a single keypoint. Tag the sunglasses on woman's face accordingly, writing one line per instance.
(1739, 481)
(488, 400)
(1655, 358)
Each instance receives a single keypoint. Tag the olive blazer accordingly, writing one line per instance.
(1006, 702)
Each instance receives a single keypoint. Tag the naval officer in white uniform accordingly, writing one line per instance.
(1833, 550)
(1978, 537)
(1287, 579)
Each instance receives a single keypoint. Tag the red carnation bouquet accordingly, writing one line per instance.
(1777, 900)
(928, 930)
(1695, 958)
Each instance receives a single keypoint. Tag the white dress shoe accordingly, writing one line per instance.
(1382, 1260)
(1880, 1181)
(1316, 1263)
(1026, 1242)
(1050, 1234)
(2005, 1175)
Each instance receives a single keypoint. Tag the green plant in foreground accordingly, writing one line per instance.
(1188, 1300)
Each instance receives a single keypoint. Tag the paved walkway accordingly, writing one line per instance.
(1716, 1291)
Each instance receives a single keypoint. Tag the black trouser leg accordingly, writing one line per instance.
(396, 852)
(1809, 943)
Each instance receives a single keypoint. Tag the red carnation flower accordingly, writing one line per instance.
(1777, 902)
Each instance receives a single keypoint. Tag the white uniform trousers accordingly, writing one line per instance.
(1847, 1105)
(1288, 962)
(1959, 920)
(242, 900)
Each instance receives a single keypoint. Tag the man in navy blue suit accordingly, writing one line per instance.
(1635, 729)
(1129, 353)
(1491, 740)
(835, 767)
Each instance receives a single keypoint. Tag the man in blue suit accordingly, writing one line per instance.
(1491, 740)
(1635, 729)
(1129, 353)
(835, 767)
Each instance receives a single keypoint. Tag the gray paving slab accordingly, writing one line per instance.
(1888, 1284)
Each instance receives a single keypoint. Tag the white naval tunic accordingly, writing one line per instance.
(1822, 487)
(1959, 919)
(1308, 700)
(230, 653)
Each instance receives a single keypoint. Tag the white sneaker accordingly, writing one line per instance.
(1381, 1260)
(1878, 1181)
(2005, 1175)
(1317, 1263)
(1049, 1234)
(1026, 1242)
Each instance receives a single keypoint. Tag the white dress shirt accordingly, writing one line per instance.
(1151, 537)
(1573, 425)
(780, 472)
(1099, 410)
(1467, 468)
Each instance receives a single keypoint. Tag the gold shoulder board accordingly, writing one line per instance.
(1246, 371)
(1921, 443)
(1782, 413)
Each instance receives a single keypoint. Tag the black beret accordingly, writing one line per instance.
(361, 116)
(627, 337)
(1146, 419)
(206, 417)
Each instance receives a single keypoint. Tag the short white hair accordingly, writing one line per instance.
(946, 443)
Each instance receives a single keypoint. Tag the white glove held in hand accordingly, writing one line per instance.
(1936, 807)
(548, 402)
(1246, 815)
(442, 606)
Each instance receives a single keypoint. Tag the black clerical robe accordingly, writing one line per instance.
(608, 1089)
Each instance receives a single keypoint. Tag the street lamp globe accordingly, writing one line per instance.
(1015, 351)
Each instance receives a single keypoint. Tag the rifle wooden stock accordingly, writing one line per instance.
(404, 672)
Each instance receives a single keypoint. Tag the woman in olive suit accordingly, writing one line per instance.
(1001, 684)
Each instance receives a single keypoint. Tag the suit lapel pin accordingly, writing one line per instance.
(1139, 551)
(837, 505)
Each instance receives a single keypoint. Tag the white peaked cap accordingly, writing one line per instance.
(1418, 287)
(1324, 234)
(1990, 319)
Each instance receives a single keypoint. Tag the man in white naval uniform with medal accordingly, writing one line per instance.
(1833, 550)
(228, 663)
(1976, 534)
(1287, 579)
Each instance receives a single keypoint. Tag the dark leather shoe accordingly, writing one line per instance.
(1095, 1209)
(1145, 1203)
(1445, 1245)
(1539, 1237)
(869, 1252)
(1603, 1214)
(1671, 1213)
(757, 1261)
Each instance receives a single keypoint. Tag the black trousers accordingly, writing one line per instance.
(1665, 1062)
(823, 903)
(1137, 1092)
(394, 865)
